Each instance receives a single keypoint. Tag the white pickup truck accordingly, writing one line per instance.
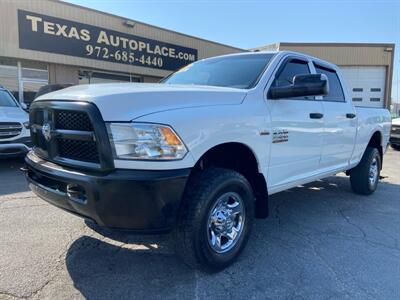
(201, 152)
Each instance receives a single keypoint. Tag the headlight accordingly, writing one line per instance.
(26, 124)
(145, 141)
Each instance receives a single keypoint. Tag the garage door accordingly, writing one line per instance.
(367, 85)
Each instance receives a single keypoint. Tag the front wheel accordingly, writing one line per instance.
(215, 219)
(365, 177)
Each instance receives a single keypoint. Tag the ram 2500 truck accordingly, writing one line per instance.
(200, 153)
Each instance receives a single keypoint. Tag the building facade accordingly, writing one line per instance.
(367, 68)
(50, 41)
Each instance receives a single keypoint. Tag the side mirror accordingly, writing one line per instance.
(24, 106)
(303, 85)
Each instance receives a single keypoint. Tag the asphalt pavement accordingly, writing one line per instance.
(320, 242)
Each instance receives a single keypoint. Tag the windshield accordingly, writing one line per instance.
(239, 71)
(6, 99)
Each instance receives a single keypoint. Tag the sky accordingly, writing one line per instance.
(252, 23)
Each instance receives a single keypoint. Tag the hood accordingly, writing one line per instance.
(127, 101)
(13, 114)
(396, 122)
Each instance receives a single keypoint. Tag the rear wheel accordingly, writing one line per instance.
(215, 219)
(365, 177)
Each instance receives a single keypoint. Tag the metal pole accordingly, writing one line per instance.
(20, 83)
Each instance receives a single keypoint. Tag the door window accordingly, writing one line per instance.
(335, 87)
(285, 75)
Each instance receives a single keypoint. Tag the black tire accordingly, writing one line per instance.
(360, 175)
(395, 147)
(192, 233)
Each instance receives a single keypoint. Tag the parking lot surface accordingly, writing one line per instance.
(320, 242)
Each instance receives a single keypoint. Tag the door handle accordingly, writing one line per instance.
(316, 116)
(350, 116)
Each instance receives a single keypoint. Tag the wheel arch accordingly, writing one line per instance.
(376, 142)
(240, 158)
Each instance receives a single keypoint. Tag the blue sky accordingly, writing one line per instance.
(252, 23)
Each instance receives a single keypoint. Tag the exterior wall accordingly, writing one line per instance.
(347, 54)
(9, 46)
(63, 74)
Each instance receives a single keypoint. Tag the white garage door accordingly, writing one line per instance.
(366, 84)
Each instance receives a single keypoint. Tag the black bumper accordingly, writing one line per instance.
(138, 200)
(394, 140)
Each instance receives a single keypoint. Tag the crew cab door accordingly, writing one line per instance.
(340, 122)
(297, 130)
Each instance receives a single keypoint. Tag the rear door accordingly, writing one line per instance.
(297, 130)
(340, 122)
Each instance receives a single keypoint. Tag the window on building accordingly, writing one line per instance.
(9, 78)
(375, 89)
(33, 75)
(335, 87)
(357, 99)
(357, 89)
(92, 77)
(285, 75)
(32, 80)
(375, 99)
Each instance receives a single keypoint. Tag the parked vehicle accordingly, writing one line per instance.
(201, 152)
(395, 134)
(14, 126)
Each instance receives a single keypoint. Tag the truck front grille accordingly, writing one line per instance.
(73, 120)
(63, 132)
(78, 150)
(10, 129)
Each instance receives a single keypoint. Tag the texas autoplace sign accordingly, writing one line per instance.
(55, 35)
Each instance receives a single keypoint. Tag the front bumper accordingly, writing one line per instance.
(395, 139)
(15, 147)
(138, 200)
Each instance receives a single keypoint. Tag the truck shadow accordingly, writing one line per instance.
(300, 242)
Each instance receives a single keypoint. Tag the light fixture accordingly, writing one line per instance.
(129, 23)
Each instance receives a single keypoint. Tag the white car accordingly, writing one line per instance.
(395, 134)
(14, 127)
(201, 152)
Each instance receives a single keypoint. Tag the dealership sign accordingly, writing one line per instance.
(49, 34)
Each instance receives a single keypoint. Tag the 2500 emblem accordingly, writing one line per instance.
(280, 136)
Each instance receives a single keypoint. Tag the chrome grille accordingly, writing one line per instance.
(10, 129)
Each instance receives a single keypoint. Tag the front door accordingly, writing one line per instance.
(297, 130)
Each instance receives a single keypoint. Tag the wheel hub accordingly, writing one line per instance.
(225, 225)
(373, 172)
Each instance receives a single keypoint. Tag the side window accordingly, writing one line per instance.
(335, 87)
(285, 75)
